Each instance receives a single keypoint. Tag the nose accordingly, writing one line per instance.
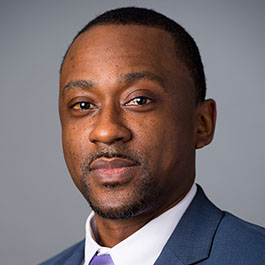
(109, 127)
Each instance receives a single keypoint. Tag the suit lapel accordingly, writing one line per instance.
(192, 239)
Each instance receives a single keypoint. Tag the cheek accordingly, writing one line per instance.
(75, 147)
(167, 141)
(153, 137)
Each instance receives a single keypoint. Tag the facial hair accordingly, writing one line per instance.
(141, 197)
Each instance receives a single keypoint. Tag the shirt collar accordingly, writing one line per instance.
(145, 245)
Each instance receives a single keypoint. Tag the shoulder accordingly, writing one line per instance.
(207, 235)
(240, 228)
(66, 254)
(239, 239)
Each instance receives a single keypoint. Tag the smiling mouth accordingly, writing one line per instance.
(110, 171)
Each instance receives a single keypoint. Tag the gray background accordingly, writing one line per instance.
(41, 210)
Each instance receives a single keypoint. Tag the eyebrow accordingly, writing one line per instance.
(123, 78)
(85, 84)
(135, 76)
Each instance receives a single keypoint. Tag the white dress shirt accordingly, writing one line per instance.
(145, 245)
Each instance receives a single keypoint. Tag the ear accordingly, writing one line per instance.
(206, 118)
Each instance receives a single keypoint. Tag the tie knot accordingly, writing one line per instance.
(104, 259)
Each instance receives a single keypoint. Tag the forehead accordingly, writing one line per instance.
(108, 50)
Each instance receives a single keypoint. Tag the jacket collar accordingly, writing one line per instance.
(192, 239)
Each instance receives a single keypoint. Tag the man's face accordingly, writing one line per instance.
(128, 115)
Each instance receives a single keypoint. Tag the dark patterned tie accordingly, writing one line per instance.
(104, 259)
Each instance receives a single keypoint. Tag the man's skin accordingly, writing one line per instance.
(123, 91)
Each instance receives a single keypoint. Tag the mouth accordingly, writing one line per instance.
(109, 171)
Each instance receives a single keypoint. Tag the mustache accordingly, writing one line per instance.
(111, 153)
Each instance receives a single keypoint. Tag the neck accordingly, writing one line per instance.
(111, 232)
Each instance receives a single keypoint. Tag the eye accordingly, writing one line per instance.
(82, 105)
(138, 101)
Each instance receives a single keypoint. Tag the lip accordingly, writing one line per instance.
(113, 170)
(111, 163)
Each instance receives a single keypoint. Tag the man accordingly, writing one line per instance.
(133, 111)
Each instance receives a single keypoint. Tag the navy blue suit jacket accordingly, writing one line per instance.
(204, 235)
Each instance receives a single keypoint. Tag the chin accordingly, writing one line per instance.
(119, 213)
(121, 202)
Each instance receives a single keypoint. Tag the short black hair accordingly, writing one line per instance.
(186, 48)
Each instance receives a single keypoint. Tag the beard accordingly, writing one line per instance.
(129, 201)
